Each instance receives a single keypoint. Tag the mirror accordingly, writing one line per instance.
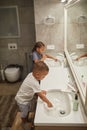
(76, 41)
(9, 22)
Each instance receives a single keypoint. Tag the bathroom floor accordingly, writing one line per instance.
(11, 89)
(7, 91)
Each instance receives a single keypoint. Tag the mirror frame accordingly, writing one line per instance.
(76, 76)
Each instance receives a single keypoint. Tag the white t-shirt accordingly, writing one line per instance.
(29, 87)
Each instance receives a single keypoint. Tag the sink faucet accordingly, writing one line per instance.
(72, 88)
(73, 53)
(62, 59)
(61, 54)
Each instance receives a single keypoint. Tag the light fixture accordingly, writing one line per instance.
(63, 0)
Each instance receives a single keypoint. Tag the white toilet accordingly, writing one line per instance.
(12, 74)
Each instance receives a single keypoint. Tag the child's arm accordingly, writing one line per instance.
(44, 92)
(42, 59)
(51, 57)
(43, 97)
(85, 55)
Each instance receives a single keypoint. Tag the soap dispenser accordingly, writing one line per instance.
(75, 103)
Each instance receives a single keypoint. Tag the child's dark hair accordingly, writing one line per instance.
(38, 44)
(40, 66)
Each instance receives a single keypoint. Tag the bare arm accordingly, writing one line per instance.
(51, 57)
(42, 59)
(43, 97)
(85, 55)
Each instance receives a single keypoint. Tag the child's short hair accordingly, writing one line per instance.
(40, 66)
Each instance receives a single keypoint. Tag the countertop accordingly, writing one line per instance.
(57, 78)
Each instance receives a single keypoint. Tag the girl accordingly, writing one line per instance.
(37, 53)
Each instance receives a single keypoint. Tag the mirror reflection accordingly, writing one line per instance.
(77, 40)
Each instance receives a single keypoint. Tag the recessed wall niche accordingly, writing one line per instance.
(9, 22)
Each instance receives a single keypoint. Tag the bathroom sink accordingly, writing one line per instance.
(52, 63)
(61, 103)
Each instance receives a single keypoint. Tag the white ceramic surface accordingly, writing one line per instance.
(12, 74)
(61, 103)
(82, 74)
(57, 78)
(52, 63)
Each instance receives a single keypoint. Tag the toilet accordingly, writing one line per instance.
(12, 73)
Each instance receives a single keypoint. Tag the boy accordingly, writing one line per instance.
(29, 87)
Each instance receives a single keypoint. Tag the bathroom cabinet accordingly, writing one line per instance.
(60, 128)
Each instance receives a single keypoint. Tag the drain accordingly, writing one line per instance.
(62, 112)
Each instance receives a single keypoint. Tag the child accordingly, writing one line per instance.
(37, 53)
(29, 87)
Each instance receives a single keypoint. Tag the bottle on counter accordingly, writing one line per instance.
(75, 103)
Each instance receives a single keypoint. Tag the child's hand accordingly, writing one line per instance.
(77, 59)
(44, 92)
(49, 104)
(43, 57)
(56, 60)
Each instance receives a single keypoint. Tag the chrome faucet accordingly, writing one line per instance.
(72, 86)
(62, 59)
(73, 55)
(61, 54)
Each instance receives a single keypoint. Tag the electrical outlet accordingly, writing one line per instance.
(12, 46)
(50, 47)
(79, 46)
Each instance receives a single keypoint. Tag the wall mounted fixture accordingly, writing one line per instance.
(63, 0)
(82, 19)
(49, 20)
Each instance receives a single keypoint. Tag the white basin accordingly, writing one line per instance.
(57, 79)
(61, 103)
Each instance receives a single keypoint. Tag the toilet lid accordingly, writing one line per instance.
(11, 70)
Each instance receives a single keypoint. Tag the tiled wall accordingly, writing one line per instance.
(77, 27)
(50, 34)
(31, 27)
(27, 35)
